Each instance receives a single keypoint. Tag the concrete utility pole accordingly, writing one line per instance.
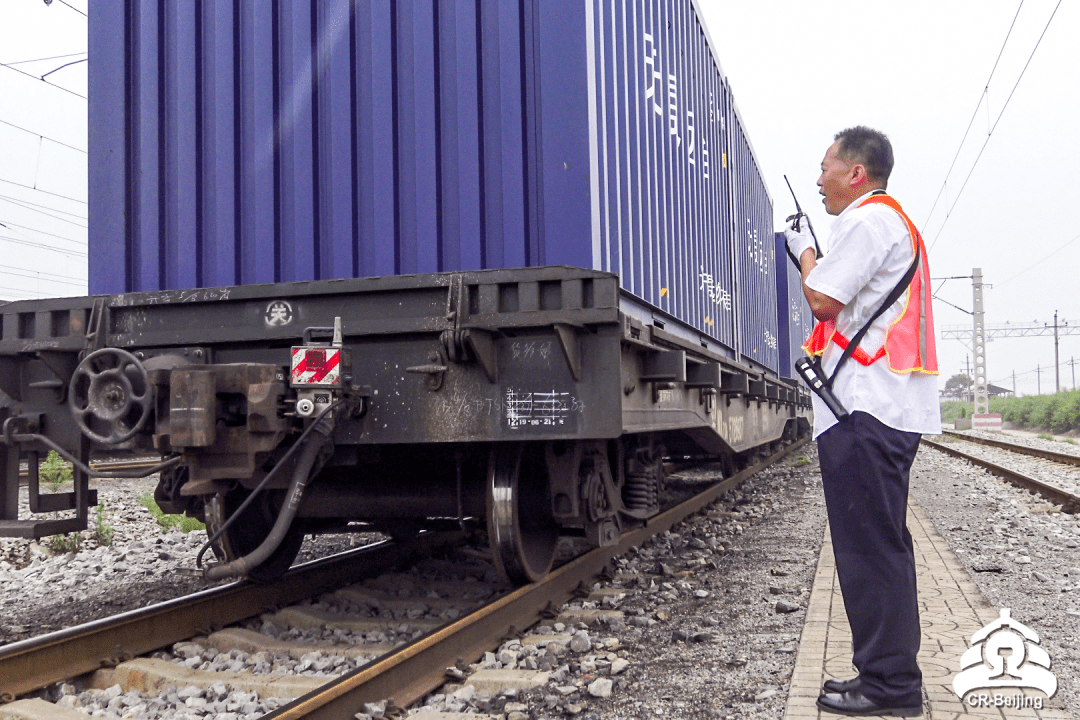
(1057, 366)
(978, 337)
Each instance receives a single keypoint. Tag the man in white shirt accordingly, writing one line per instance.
(889, 387)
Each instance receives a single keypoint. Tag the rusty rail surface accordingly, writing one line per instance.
(1069, 503)
(106, 465)
(1063, 458)
(35, 663)
(416, 669)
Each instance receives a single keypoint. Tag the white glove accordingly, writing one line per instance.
(799, 241)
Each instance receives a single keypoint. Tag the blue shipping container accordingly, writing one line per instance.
(794, 317)
(256, 142)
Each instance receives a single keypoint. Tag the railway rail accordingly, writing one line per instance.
(1058, 457)
(140, 464)
(1069, 502)
(35, 663)
(404, 674)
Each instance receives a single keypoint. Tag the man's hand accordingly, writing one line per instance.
(799, 241)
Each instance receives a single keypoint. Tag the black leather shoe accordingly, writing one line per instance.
(840, 686)
(855, 703)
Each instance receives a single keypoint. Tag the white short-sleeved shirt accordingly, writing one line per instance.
(869, 252)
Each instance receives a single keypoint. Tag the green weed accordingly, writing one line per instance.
(800, 462)
(55, 471)
(190, 524)
(103, 531)
(65, 543)
(169, 522)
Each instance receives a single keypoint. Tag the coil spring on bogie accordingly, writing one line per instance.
(641, 492)
(644, 479)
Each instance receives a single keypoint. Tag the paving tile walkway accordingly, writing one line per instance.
(952, 610)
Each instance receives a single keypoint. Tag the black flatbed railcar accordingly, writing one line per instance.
(534, 402)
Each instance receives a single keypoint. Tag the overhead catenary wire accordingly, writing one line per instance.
(990, 132)
(48, 214)
(47, 192)
(62, 2)
(42, 246)
(935, 297)
(37, 275)
(34, 272)
(43, 207)
(54, 57)
(1032, 371)
(35, 77)
(8, 224)
(43, 137)
(974, 115)
(73, 62)
(1039, 262)
(23, 292)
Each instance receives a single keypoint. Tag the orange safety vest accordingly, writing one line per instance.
(909, 339)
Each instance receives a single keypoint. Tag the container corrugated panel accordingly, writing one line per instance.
(784, 299)
(236, 143)
(662, 205)
(794, 319)
(755, 255)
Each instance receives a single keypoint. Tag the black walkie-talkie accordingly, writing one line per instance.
(808, 371)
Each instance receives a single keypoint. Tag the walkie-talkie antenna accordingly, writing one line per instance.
(798, 217)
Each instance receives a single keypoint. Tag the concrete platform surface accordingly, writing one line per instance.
(952, 610)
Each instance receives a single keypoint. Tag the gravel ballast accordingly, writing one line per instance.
(1021, 552)
(714, 635)
(42, 590)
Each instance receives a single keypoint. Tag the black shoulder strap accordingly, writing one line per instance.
(892, 297)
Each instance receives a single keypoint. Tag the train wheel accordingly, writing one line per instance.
(249, 530)
(521, 529)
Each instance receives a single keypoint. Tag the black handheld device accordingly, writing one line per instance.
(808, 371)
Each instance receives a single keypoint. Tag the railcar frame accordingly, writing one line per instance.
(535, 402)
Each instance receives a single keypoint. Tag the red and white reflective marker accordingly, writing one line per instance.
(316, 366)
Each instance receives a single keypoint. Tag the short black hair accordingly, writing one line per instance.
(869, 148)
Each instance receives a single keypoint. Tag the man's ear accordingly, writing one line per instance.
(858, 175)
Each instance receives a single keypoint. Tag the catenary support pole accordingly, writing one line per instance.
(1057, 365)
(978, 338)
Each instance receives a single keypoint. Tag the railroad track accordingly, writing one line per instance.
(35, 663)
(1069, 502)
(1063, 458)
(404, 674)
(107, 466)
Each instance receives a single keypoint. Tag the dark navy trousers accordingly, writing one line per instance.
(864, 470)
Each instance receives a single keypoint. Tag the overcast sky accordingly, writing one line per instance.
(917, 70)
(43, 146)
(800, 72)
